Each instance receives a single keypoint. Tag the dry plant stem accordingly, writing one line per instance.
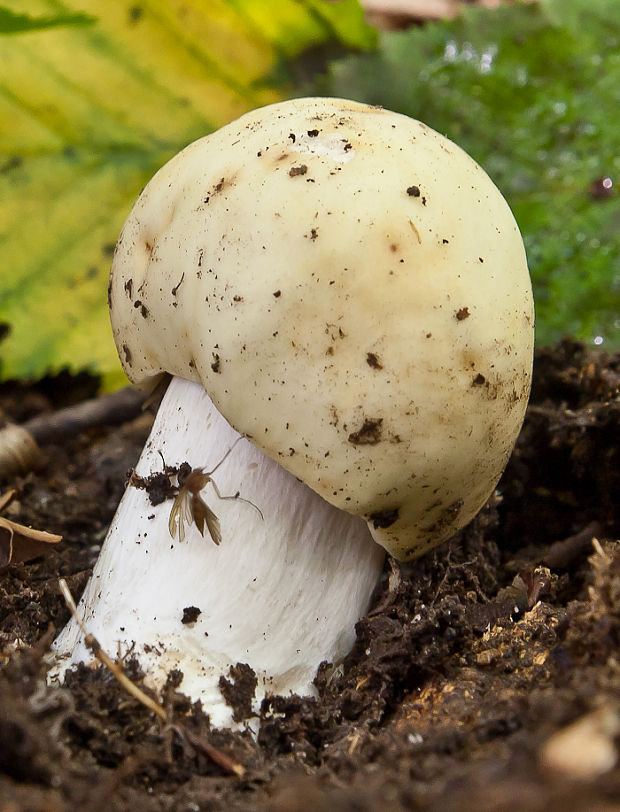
(194, 741)
(20, 543)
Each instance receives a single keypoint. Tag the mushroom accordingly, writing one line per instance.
(352, 292)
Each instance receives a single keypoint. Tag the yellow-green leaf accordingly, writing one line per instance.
(88, 111)
(12, 22)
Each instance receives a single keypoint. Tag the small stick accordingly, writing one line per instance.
(19, 444)
(114, 407)
(92, 643)
(561, 554)
(216, 756)
(197, 743)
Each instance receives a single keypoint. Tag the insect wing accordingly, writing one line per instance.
(187, 512)
(203, 514)
(175, 522)
(213, 525)
(181, 514)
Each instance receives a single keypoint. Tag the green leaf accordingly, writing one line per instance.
(15, 23)
(532, 92)
(88, 113)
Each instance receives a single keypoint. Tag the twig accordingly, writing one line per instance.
(114, 407)
(216, 756)
(19, 543)
(197, 743)
(19, 444)
(561, 554)
(91, 642)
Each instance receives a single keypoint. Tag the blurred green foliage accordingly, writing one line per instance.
(94, 97)
(532, 92)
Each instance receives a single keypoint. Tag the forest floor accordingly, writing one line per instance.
(486, 675)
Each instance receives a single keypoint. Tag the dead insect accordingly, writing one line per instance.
(189, 506)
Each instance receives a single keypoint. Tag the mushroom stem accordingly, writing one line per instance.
(282, 592)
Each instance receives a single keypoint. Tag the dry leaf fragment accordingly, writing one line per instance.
(6, 498)
(19, 543)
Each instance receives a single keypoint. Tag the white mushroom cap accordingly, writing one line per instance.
(352, 291)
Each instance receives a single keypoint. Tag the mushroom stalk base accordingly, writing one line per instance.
(282, 592)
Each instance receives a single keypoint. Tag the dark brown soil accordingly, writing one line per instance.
(469, 661)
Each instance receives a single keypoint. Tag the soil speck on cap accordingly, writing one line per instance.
(144, 311)
(369, 433)
(373, 361)
(461, 314)
(384, 518)
(413, 191)
(294, 171)
(447, 515)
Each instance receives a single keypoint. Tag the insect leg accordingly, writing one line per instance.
(236, 496)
